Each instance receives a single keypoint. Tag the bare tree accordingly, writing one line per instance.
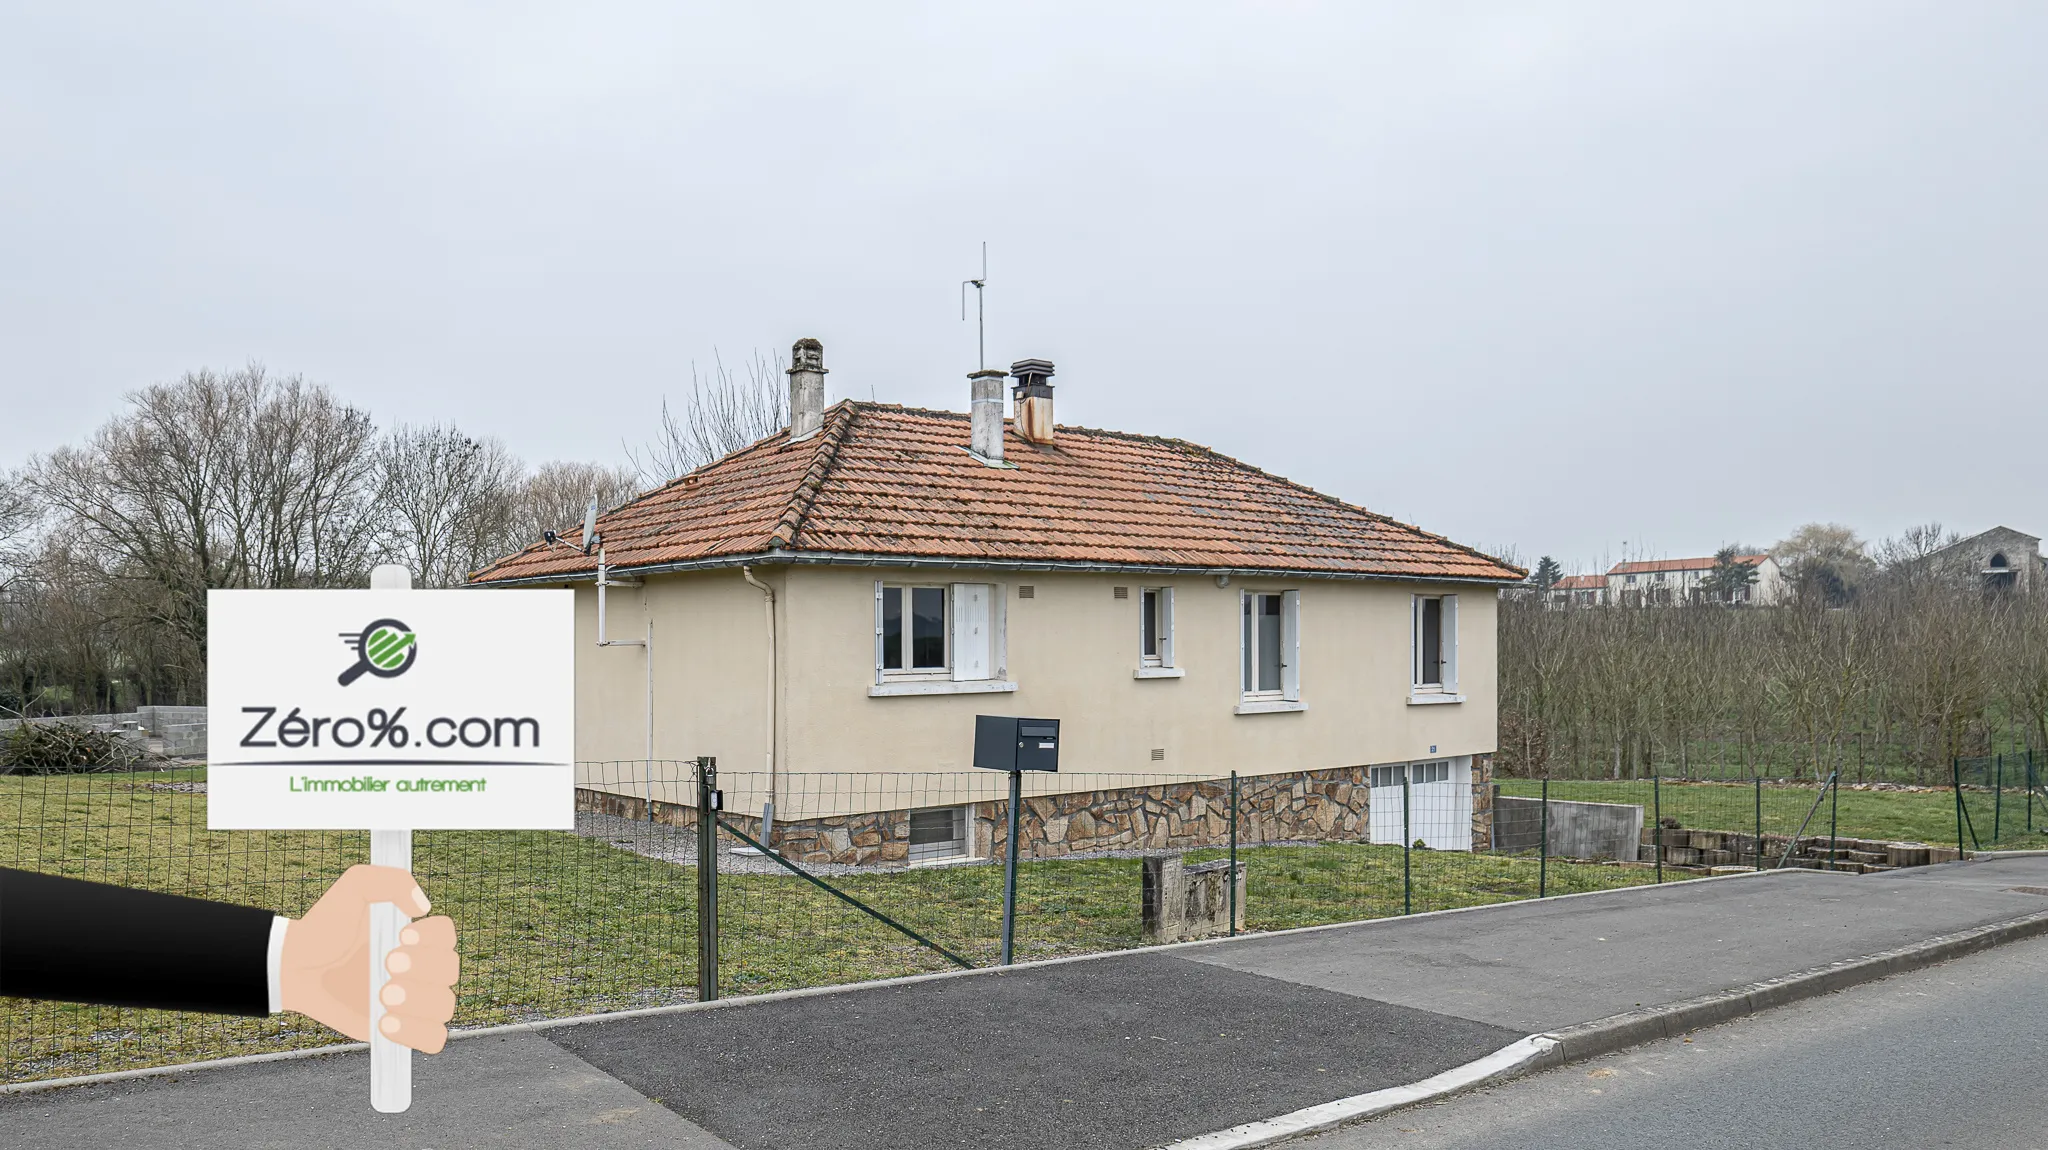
(1906, 561)
(719, 415)
(233, 480)
(451, 500)
(18, 518)
(554, 497)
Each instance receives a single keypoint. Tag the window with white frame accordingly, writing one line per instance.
(1155, 627)
(913, 629)
(938, 833)
(1271, 641)
(938, 631)
(1436, 643)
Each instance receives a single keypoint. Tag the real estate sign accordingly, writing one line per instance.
(405, 710)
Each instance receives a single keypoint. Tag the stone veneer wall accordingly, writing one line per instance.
(667, 814)
(1305, 806)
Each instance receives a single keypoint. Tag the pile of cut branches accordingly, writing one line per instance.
(63, 748)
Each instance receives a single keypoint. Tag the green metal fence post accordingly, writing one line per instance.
(1759, 822)
(1834, 807)
(1955, 776)
(1543, 847)
(1997, 799)
(1010, 870)
(707, 879)
(1407, 844)
(1657, 825)
(1233, 854)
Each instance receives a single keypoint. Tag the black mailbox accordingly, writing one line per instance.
(1002, 743)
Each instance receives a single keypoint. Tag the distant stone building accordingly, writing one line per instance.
(2000, 559)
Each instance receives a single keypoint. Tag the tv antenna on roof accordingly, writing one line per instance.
(980, 332)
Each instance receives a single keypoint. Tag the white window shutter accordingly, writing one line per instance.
(878, 632)
(1450, 643)
(971, 626)
(1290, 646)
(1415, 640)
(1244, 655)
(999, 629)
(1166, 626)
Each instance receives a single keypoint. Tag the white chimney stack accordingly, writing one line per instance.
(986, 387)
(1034, 399)
(806, 388)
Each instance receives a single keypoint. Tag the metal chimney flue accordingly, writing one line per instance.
(986, 389)
(1033, 393)
(806, 388)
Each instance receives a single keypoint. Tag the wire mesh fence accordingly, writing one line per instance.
(2000, 803)
(877, 875)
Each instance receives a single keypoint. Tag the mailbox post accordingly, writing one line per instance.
(1002, 743)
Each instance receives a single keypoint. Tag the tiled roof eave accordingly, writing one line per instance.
(868, 559)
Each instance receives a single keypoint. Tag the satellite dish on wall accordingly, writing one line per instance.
(590, 525)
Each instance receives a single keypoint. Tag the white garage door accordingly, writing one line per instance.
(1439, 798)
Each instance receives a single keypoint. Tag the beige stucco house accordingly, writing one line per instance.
(827, 610)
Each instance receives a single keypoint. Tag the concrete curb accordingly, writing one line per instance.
(1619, 1032)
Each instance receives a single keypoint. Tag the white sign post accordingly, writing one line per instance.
(397, 710)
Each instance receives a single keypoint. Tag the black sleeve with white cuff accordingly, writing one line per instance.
(74, 941)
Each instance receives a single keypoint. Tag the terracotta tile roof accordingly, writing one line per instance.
(894, 482)
(1645, 566)
(1580, 583)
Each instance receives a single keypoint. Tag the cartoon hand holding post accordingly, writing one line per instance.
(76, 941)
(301, 738)
(320, 968)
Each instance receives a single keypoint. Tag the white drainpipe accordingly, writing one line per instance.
(768, 807)
(605, 580)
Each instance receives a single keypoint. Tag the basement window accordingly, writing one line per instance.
(938, 833)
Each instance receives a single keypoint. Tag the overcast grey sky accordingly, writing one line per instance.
(1546, 275)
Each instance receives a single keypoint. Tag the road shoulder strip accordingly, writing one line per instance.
(1619, 1032)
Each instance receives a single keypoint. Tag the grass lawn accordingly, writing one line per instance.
(1916, 816)
(553, 924)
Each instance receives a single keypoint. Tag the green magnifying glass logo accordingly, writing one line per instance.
(385, 648)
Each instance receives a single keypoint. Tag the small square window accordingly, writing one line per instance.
(938, 833)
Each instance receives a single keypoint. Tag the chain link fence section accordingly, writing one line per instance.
(884, 874)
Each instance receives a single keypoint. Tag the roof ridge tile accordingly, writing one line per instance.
(838, 421)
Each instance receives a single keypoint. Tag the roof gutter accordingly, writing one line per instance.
(858, 559)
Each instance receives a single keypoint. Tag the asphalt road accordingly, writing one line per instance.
(1947, 1056)
(1109, 1055)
